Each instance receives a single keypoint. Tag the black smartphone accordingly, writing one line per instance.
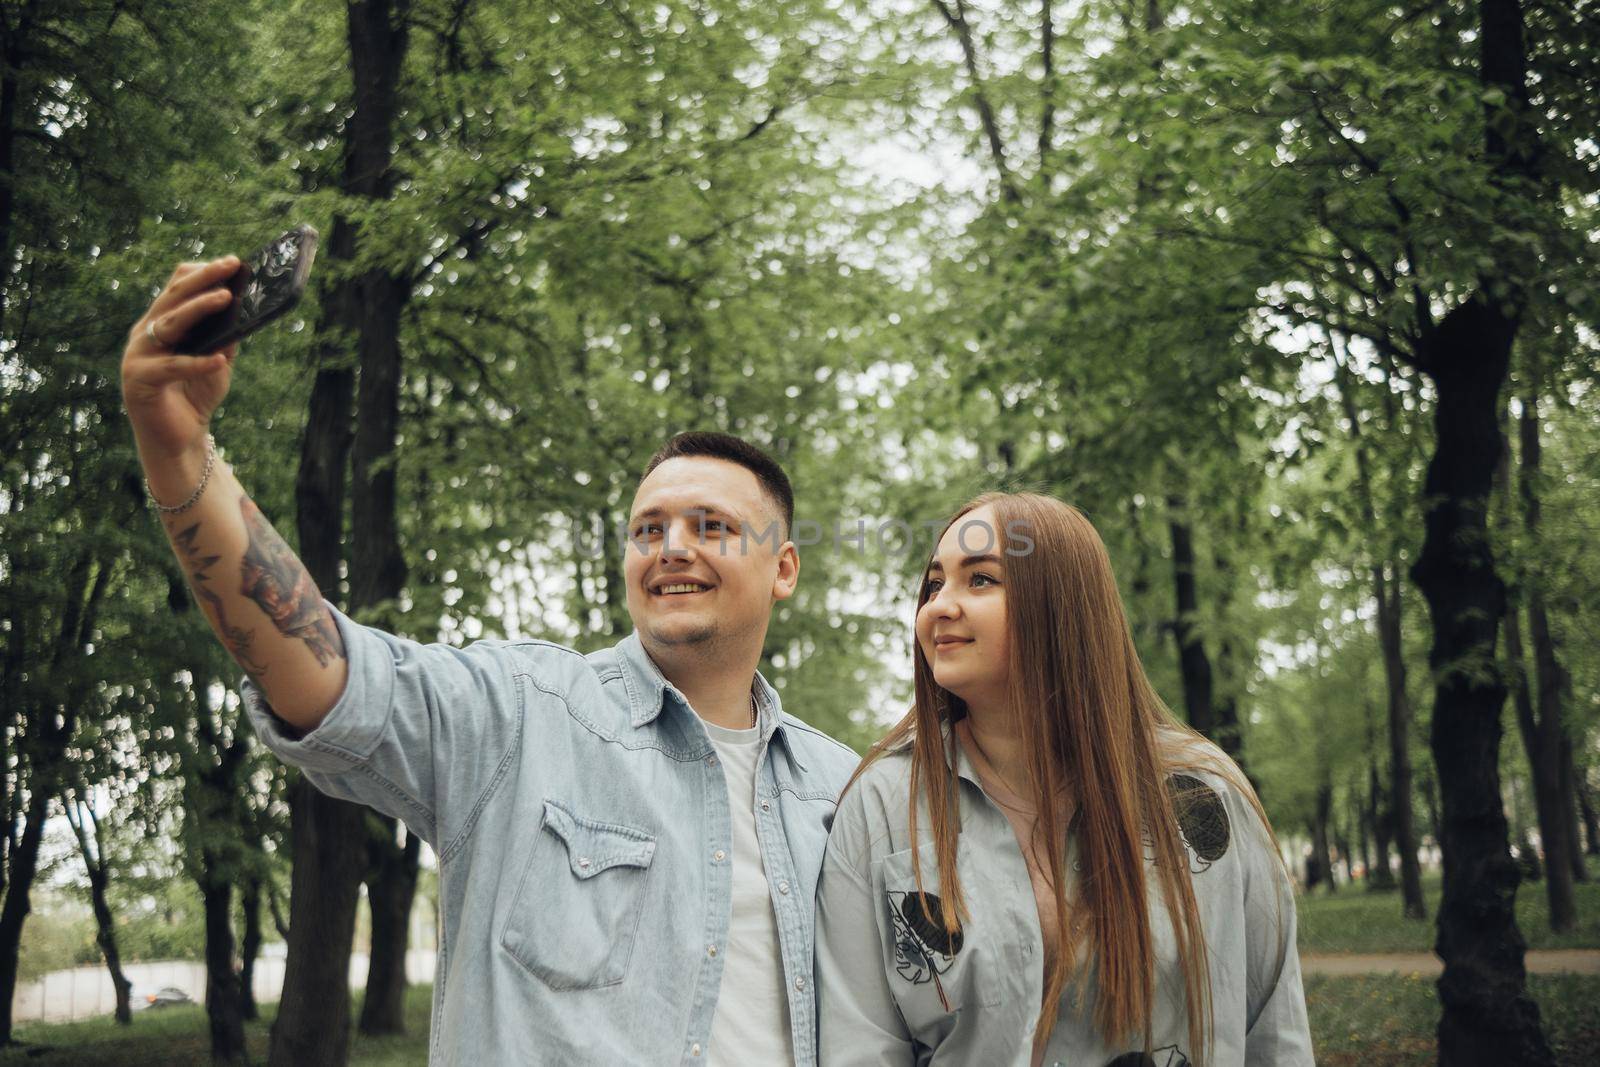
(265, 286)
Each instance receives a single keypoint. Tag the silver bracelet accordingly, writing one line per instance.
(205, 476)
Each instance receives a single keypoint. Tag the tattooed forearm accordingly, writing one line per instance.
(275, 578)
(236, 638)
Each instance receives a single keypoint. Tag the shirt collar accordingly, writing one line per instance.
(648, 688)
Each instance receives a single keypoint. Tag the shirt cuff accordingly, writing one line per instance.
(352, 729)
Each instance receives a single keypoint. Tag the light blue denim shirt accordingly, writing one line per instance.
(581, 822)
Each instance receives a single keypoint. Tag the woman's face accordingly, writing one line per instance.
(961, 628)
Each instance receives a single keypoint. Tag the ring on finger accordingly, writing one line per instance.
(150, 328)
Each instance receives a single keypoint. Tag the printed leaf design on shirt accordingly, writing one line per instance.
(1202, 820)
(1165, 1056)
(923, 948)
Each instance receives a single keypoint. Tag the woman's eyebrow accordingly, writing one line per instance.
(969, 561)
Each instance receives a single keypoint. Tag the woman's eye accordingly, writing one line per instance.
(934, 584)
(984, 577)
(715, 524)
(646, 529)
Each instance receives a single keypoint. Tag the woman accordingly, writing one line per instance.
(1081, 880)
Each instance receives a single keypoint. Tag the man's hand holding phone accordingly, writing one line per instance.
(170, 398)
(179, 360)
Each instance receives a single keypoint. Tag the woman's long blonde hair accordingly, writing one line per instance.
(1094, 729)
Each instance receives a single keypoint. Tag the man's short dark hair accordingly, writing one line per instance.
(724, 446)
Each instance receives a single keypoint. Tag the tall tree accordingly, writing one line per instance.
(88, 829)
(1553, 781)
(1386, 589)
(1323, 183)
(363, 307)
(1488, 1015)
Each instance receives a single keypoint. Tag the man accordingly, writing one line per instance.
(628, 841)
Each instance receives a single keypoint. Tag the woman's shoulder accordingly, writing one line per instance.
(870, 811)
(1212, 796)
(1186, 754)
(882, 777)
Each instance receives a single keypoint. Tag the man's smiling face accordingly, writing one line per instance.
(706, 557)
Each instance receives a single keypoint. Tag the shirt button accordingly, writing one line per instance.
(694, 1050)
(711, 950)
(766, 806)
(711, 761)
(799, 983)
(783, 887)
(718, 856)
(583, 862)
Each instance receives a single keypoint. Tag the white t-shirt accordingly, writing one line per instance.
(751, 1024)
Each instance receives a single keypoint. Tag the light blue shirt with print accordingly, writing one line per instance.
(898, 990)
(582, 825)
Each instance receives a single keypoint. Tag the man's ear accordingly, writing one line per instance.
(788, 572)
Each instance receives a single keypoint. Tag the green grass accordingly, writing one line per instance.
(1355, 920)
(1389, 1020)
(178, 1037)
(1372, 1021)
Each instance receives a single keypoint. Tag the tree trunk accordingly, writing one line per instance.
(10, 87)
(1146, 630)
(377, 565)
(1430, 794)
(327, 836)
(250, 947)
(44, 751)
(1559, 891)
(618, 622)
(91, 846)
(1488, 1017)
(1569, 810)
(1402, 818)
(279, 923)
(1555, 684)
(313, 1022)
(1591, 824)
(1341, 841)
(213, 779)
(106, 938)
(1386, 591)
(1193, 663)
(1320, 852)
(23, 868)
(1361, 820)
(1225, 693)
(223, 1002)
(390, 892)
(1381, 875)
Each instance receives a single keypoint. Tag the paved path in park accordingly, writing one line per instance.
(1541, 961)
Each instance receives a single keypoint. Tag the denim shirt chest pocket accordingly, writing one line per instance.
(935, 974)
(576, 911)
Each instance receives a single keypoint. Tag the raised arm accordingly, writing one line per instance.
(257, 595)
